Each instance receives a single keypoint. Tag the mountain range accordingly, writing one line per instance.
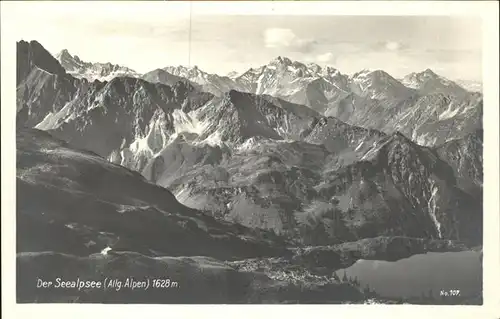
(422, 105)
(285, 155)
(371, 99)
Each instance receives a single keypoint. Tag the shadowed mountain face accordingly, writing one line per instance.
(404, 185)
(465, 156)
(89, 204)
(43, 86)
(31, 55)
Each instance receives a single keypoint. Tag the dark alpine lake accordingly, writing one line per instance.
(421, 275)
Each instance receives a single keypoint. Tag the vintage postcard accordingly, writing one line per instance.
(253, 153)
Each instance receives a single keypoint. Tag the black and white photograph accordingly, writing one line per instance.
(170, 155)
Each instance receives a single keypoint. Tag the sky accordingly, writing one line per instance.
(154, 36)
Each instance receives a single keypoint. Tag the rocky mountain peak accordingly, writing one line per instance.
(65, 53)
(428, 81)
(330, 70)
(379, 85)
(429, 72)
(314, 67)
(188, 72)
(362, 73)
(32, 55)
(382, 76)
(233, 74)
(65, 57)
(279, 60)
(419, 77)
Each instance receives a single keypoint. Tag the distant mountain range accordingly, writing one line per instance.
(254, 79)
(91, 71)
(371, 99)
(471, 86)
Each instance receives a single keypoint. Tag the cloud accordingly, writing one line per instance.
(392, 45)
(326, 57)
(286, 38)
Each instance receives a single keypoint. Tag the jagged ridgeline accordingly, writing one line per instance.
(424, 106)
(295, 150)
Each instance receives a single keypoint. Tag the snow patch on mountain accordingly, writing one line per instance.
(192, 124)
(432, 206)
(144, 147)
(449, 112)
(213, 139)
(187, 122)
